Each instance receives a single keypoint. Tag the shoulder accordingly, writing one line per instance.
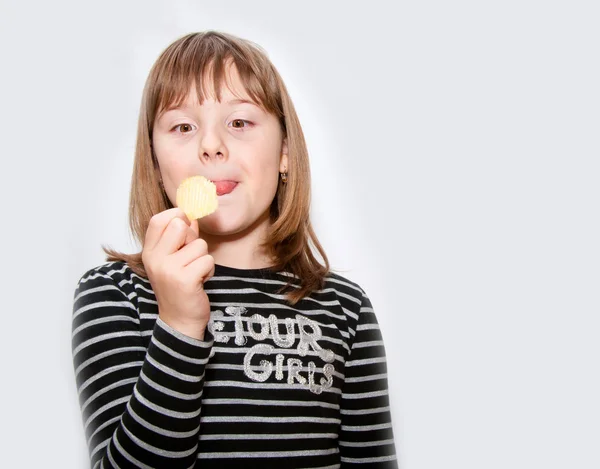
(105, 298)
(344, 287)
(116, 274)
(351, 295)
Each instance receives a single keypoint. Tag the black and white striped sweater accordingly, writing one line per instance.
(270, 386)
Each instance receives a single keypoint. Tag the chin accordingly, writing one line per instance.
(229, 224)
(222, 226)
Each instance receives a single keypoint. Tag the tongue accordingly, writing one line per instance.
(225, 187)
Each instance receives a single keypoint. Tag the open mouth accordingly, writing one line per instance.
(225, 187)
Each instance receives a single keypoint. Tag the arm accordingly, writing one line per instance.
(366, 437)
(140, 408)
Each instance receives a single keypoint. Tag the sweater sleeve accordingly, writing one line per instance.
(366, 437)
(140, 406)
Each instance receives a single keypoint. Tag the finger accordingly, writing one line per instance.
(192, 232)
(158, 224)
(194, 226)
(172, 239)
(201, 269)
(190, 252)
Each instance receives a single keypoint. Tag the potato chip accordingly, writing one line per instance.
(197, 197)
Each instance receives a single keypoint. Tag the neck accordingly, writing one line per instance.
(241, 250)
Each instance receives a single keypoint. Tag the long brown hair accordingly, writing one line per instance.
(291, 238)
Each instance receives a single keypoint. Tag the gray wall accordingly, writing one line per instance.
(454, 152)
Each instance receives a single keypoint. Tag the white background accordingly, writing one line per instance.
(455, 158)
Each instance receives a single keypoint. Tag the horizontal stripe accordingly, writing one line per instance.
(365, 428)
(350, 313)
(363, 395)
(105, 389)
(107, 371)
(184, 338)
(362, 379)
(266, 436)
(113, 319)
(158, 430)
(253, 291)
(367, 327)
(101, 338)
(223, 366)
(137, 463)
(151, 316)
(346, 284)
(349, 297)
(177, 355)
(104, 408)
(111, 458)
(150, 301)
(97, 275)
(171, 372)
(275, 350)
(276, 306)
(250, 319)
(158, 451)
(108, 353)
(371, 343)
(162, 410)
(311, 403)
(262, 281)
(369, 460)
(268, 454)
(99, 447)
(256, 418)
(101, 427)
(253, 385)
(141, 279)
(103, 304)
(169, 392)
(365, 361)
(101, 288)
(144, 288)
(375, 410)
(365, 444)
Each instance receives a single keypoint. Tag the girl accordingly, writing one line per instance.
(226, 342)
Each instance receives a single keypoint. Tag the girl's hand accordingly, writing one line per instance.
(177, 263)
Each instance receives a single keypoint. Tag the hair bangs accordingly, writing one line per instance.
(205, 63)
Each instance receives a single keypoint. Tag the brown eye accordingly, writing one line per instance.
(184, 126)
(238, 123)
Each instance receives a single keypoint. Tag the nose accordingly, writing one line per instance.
(212, 145)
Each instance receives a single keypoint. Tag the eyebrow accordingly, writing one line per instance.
(240, 101)
(231, 101)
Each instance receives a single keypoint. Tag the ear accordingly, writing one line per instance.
(283, 161)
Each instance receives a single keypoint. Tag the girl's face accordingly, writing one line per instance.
(233, 143)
